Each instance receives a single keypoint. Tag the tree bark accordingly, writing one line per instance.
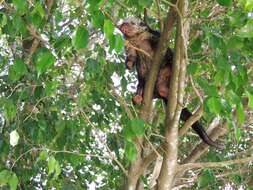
(175, 100)
(136, 169)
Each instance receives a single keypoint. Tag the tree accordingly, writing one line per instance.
(67, 121)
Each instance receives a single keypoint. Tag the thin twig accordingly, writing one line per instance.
(103, 4)
(56, 152)
(122, 5)
(159, 14)
(35, 34)
(22, 155)
(127, 43)
(108, 149)
(35, 45)
(121, 102)
(152, 147)
(196, 90)
(34, 107)
(14, 89)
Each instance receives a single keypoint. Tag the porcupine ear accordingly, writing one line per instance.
(143, 24)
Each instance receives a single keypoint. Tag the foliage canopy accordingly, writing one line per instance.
(66, 118)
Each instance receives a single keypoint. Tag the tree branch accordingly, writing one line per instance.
(202, 147)
(136, 168)
(189, 166)
(175, 99)
(159, 54)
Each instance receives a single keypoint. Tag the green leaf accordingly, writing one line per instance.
(94, 5)
(247, 4)
(246, 31)
(97, 19)
(119, 43)
(192, 68)
(21, 6)
(206, 178)
(17, 70)
(219, 77)
(237, 80)
(83, 97)
(36, 19)
(215, 41)
(57, 169)
(108, 28)
(130, 151)
(240, 114)
(112, 42)
(8, 177)
(62, 43)
(5, 175)
(19, 25)
(230, 123)
(13, 182)
(39, 9)
(225, 2)
(243, 74)
(145, 3)
(128, 132)
(50, 87)
(51, 165)
(80, 39)
(138, 127)
(250, 97)
(196, 45)
(92, 67)
(43, 155)
(222, 63)
(232, 97)
(10, 109)
(3, 20)
(210, 90)
(60, 126)
(226, 107)
(44, 60)
(214, 105)
(235, 43)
